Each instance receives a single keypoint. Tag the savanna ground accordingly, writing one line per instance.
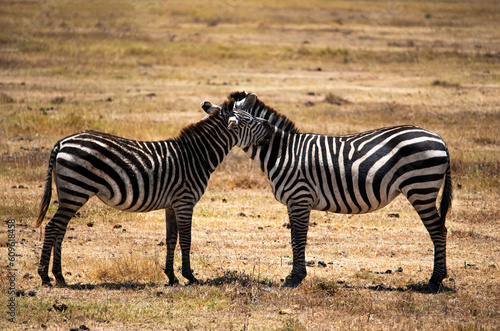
(140, 69)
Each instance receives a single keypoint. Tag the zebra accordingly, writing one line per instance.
(141, 176)
(352, 174)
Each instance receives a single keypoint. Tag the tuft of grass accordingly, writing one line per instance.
(132, 267)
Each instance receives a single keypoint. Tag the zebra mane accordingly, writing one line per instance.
(263, 111)
(206, 123)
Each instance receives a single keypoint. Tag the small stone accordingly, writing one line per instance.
(388, 271)
(242, 214)
(399, 269)
(393, 215)
(224, 200)
(285, 311)
(161, 243)
(60, 307)
(117, 226)
(310, 263)
(90, 224)
(31, 293)
(83, 327)
(322, 264)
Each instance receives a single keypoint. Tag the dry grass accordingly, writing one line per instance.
(140, 70)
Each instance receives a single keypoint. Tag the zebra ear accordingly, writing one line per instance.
(209, 107)
(250, 101)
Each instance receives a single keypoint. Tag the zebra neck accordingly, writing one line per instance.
(206, 143)
(265, 156)
(274, 117)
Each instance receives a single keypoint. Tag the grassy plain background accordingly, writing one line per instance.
(140, 69)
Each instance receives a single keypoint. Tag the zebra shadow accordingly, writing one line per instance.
(240, 278)
(415, 288)
(112, 286)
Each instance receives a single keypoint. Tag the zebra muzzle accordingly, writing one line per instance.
(232, 123)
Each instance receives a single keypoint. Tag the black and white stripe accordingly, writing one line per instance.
(140, 176)
(352, 174)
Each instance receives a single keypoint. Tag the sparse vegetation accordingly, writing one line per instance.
(141, 69)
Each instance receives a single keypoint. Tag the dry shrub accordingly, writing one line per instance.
(335, 99)
(5, 98)
(484, 168)
(57, 100)
(233, 276)
(248, 183)
(329, 287)
(128, 268)
(443, 83)
(487, 141)
(468, 234)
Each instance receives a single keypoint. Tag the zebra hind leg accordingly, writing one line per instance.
(54, 235)
(171, 240)
(432, 221)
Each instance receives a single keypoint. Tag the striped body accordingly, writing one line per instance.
(352, 174)
(129, 175)
(140, 176)
(358, 173)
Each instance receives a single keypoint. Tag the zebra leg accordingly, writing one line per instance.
(299, 223)
(184, 216)
(432, 221)
(171, 241)
(54, 235)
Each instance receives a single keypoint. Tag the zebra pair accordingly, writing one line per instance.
(140, 176)
(351, 174)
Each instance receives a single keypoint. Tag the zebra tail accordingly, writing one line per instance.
(446, 198)
(47, 193)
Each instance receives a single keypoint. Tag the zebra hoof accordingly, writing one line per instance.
(193, 281)
(431, 287)
(292, 281)
(173, 281)
(46, 284)
(60, 281)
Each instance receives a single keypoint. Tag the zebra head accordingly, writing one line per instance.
(243, 101)
(247, 129)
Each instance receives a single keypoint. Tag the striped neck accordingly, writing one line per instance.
(261, 155)
(271, 115)
(208, 141)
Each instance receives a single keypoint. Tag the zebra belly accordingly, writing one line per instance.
(342, 208)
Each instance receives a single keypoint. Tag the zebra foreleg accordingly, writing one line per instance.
(299, 223)
(184, 219)
(171, 240)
